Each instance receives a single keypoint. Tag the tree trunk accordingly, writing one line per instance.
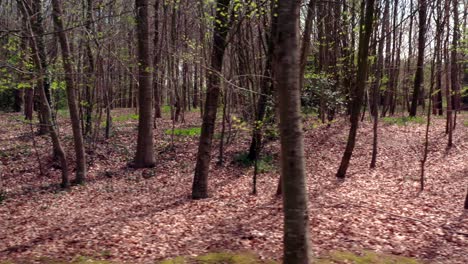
(419, 78)
(265, 91)
(287, 70)
(466, 201)
(70, 88)
(144, 157)
(42, 83)
(200, 181)
(367, 13)
(157, 60)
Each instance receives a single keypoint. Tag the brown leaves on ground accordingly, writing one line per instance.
(139, 216)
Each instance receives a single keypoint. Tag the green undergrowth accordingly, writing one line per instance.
(335, 257)
(404, 120)
(189, 132)
(265, 163)
(365, 257)
(465, 123)
(219, 258)
(125, 117)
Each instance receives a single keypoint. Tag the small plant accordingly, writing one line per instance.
(271, 133)
(189, 132)
(265, 162)
(3, 196)
(465, 123)
(404, 120)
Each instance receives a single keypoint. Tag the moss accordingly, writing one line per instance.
(366, 257)
(177, 260)
(219, 258)
(47, 260)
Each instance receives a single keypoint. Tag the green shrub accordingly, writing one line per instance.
(189, 132)
(404, 120)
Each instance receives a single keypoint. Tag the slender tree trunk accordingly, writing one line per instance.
(70, 88)
(454, 65)
(265, 91)
(448, 89)
(367, 14)
(157, 61)
(376, 92)
(287, 70)
(200, 181)
(306, 39)
(419, 78)
(144, 157)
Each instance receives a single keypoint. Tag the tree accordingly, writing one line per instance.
(287, 70)
(70, 86)
(357, 94)
(466, 201)
(419, 78)
(144, 157)
(35, 31)
(221, 27)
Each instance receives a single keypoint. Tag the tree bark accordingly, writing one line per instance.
(144, 157)
(157, 60)
(367, 14)
(287, 70)
(200, 181)
(42, 83)
(70, 88)
(265, 91)
(419, 78)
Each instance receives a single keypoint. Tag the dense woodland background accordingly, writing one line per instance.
(141, 130)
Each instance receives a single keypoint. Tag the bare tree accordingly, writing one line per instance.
(70, 86)
(419, 78)
(365, 31)
(200, 181)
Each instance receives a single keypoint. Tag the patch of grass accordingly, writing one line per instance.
(219, 258)
(265, 163)
(166, 109)
(125, 117)
(190, 132)
(364, 258)
(465, 123)
(404, 120)
(63, 113)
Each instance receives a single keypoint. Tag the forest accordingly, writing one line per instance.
(233, 131)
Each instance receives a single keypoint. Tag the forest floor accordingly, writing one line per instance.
(141, 216)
